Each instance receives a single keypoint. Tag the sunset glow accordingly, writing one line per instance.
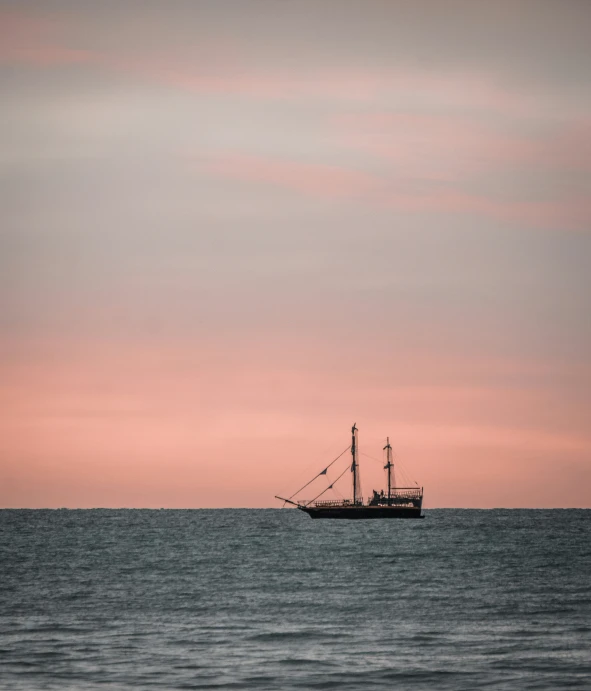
(227, 236)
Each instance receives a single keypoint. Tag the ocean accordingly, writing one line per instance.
(270, 599)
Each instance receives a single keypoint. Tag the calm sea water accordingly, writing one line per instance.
(270, 599)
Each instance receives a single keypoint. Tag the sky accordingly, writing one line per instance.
(230, 229)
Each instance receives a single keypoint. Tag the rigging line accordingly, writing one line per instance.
(347, 469)
(402, 472)
(303, 472)
(322, 472)
(403, 467)
(400, 467)
(404, 477)
(373, 458)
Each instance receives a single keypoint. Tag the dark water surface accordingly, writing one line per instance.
(270, 599)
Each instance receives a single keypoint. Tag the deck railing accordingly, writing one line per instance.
(397, 494)
(334, 502)
(410, 492)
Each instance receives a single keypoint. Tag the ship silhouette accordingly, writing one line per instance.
(396, 502)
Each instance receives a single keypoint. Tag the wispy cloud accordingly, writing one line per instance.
(330, 182)
(450, 146)
(43, 42)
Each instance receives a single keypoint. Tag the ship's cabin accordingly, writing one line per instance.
(398, 497)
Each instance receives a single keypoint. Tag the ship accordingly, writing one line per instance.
(395, 502)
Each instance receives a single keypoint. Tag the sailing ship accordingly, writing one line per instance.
(397, 502)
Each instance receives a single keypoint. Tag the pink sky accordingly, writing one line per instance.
(228, 234)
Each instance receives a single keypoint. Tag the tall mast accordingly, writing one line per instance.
(355, 466)
(389, 465)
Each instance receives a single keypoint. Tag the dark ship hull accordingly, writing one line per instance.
(362, 512)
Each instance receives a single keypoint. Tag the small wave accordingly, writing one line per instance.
(305, 662)
(296, 635)
(207, 600)
(189, 666)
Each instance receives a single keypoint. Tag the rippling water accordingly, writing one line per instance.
(270, 599)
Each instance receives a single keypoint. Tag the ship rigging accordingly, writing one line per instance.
(397, 502)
